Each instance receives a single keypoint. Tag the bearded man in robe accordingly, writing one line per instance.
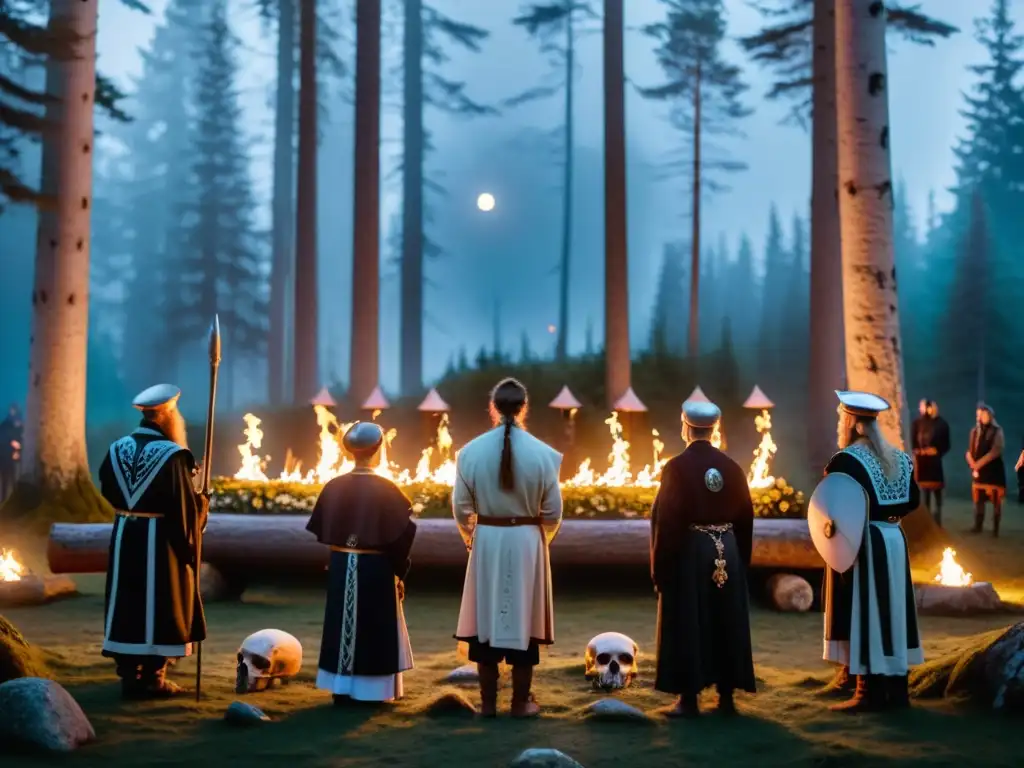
(367, 522)
(153, 611)
(988, 471)
(702, 524)
(871, 627)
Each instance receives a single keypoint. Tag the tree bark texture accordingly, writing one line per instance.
(251, 544)
(306, 325)
(283, 214)
(616, 247)
(694, 339)
(874, 357)
(827, 361)
(562, 340)
(411, 306)
(363, 365)
(54, 451)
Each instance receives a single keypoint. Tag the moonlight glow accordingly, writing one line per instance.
(485, 202)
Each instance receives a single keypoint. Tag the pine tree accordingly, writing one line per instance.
(525, 350)
(223, 266)
(744, 306)
(773, 296)
(797, 309)
(705, 93)
(668, 320)
(556, 26)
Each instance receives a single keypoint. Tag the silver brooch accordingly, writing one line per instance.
(713, 480)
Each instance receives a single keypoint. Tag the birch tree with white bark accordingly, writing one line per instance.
(874, 356)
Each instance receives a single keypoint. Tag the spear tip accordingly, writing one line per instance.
(214, 344)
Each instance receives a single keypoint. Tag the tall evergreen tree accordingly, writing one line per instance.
(796, 318)
(556, 26)
(773, 297)
(223, 266)
(744, 306)
(668, 320)
(705, 93)
(428, 35)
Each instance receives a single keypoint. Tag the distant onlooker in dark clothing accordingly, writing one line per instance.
(988, 472)
(930, 434)
(10, 451)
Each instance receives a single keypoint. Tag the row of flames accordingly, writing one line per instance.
(437, 462)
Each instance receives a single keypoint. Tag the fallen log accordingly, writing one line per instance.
(280, 544)
(790, 593)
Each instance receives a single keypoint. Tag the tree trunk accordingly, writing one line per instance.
(411, 305)
(249, 544)
(363, 366)
(283, 202)
(827, 362)
(874, 359)
(54, 456)
(616, 262)
(694, 340)
(306, 343)
(562, 342)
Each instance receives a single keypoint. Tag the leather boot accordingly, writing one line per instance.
(159, 687)
(523, 703)
(898, 692)
(866, 697)
(726, 703)
(488, 675)
(686, 707)
(843, 682)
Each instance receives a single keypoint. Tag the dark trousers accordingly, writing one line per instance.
(935, 494)
(144, 670)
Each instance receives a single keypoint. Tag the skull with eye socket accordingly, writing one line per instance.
(265, 656)
(611, 661)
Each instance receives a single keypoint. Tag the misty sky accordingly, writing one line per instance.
(925, 88)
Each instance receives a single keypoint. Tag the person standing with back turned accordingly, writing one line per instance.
(508, 506)
(702, 526)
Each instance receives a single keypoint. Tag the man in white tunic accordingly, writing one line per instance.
(871, 624)
(508, 505)
(153, 609)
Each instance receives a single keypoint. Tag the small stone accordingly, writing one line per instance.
(544, 758)
(464, 674)
(240, 713)
(790, 593)
(39, 714)
(35, 590)
(614, 709)
(980, 597)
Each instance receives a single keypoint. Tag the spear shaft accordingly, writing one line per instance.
(214, 354)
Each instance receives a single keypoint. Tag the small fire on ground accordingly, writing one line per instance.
(951, 574)
(437, 462)
(10, 568)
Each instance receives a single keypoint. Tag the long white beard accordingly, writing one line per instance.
(176, 429)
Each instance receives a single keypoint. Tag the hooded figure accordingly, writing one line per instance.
(367, 523)
(871, 624)
(508, 506)
(702, 526)
(152, 611)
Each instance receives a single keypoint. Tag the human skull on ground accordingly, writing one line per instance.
(611, 660)
(265, 656)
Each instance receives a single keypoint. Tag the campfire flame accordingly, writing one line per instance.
(759, 477)
(437, 462)
(10, 568)
(951, 574)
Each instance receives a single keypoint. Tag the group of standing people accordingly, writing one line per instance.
(508, 507)
(984, 457)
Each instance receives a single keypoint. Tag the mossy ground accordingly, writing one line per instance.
(785, 724)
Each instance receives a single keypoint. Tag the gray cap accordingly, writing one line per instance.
(157, 396)
(363, 438)
(700, 415)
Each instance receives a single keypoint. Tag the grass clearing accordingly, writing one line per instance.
(786, 723)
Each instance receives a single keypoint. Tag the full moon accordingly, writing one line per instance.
(485, 202)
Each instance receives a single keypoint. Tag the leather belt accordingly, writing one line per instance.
(508, 522)
(133, 513)
(354, 551)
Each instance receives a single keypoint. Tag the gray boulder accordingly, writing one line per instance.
(40, 715)
(465, 674)
(616, 710)
(240, 713)
(544, 758)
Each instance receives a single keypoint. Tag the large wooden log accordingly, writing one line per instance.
(279, 544)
